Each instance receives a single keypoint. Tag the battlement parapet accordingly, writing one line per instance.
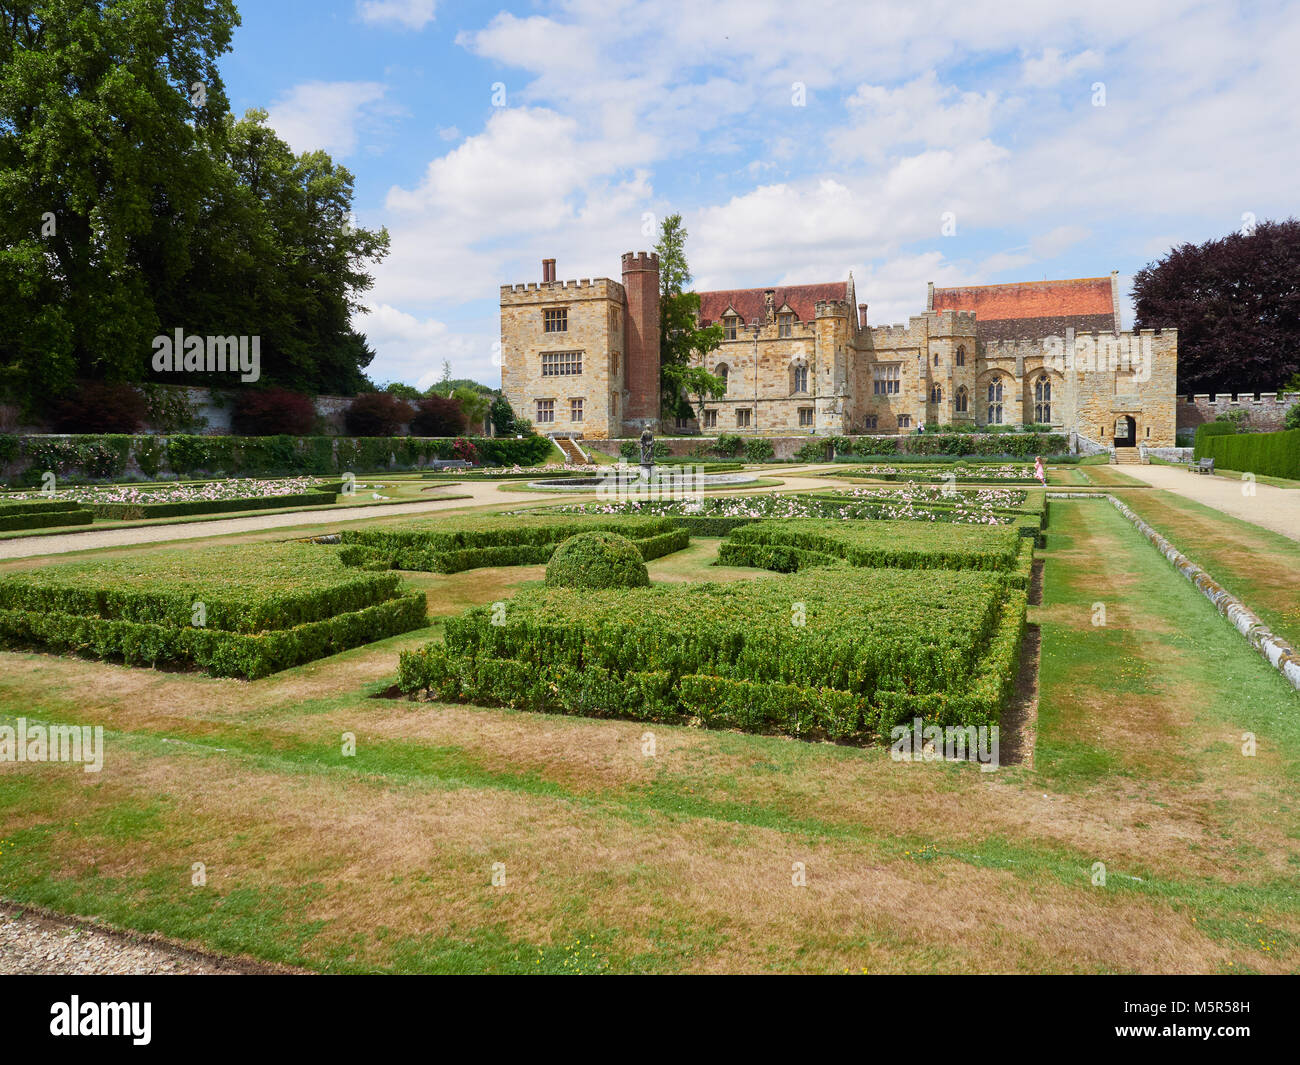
(586, 288)
(831, 309)
(633, 261)
(952, 323)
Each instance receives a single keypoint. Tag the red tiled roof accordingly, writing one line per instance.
(749, 302)
(1030, 299)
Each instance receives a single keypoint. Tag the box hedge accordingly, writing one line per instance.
(1268, 454)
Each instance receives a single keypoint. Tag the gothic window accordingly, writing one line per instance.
(885, 382)
(870, 421)
(905, 421)
(936, 358)
(936, 394)
(1043, 401)
(961, 355)
(961, 400)
(799, 374)
(995, 402)
(724, 372)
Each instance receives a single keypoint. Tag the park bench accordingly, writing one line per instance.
(450, 464)
(1203, 466)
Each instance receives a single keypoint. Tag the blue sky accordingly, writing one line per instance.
(800, 141)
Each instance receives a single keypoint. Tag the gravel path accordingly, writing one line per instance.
(1272, 508)
(37, 944)
(481, 494)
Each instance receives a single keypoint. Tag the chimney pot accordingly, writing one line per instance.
(548, 270)
(862, 315)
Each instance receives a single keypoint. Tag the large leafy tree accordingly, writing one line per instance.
(132, 203)
(106, 108)
(682, 342)
(1236, 304)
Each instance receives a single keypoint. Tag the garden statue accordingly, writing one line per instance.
(647, 448)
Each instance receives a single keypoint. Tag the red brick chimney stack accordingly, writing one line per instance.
(862, 315)
(548, 270)
(641, 283)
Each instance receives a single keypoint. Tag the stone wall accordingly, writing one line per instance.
(1264, 410)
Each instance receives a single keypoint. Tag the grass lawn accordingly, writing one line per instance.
(620, 861)
(1255, 564)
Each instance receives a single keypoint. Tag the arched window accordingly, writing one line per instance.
(936, 394)
(799, 377)
(1043, 400)
(961, 354)
(723, 372)
(995, 401)
(936, 358)
(961, 400)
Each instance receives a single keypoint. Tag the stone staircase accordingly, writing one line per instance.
(1128, 456)
(570, 449)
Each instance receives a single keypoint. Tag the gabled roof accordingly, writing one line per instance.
(749, 303)
(1034, 308)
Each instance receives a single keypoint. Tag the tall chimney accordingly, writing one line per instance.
(548, 270)
(862, 315)
(641, 284)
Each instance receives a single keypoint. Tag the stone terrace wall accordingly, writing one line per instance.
(1265, 410)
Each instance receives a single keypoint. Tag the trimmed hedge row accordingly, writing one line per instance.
(786, 546)
(237, 611)
(243, 589)
(865, 655)
(1269, 454)
(215, 651)
(13, 520)
(107, 457)
(139, 511)
(459, 544)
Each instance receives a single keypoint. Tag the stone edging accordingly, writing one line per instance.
(1280, 655)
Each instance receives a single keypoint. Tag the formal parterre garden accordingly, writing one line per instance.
(647, 758)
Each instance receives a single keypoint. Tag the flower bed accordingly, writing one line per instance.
(1011, 473)
(131, 503)
(242, 611)
(718, 516)
(451, 545)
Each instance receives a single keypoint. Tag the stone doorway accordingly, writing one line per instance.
(1125, 431)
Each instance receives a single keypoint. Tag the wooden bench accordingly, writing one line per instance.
(1203, 466)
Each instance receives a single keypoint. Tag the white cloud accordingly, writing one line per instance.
(412, 349)
(325, 114)
(1053, 67)
(413, 14)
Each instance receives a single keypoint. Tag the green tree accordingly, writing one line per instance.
(682, 342)
(107, 109)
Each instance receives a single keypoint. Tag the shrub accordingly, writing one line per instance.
(758, 449)
(729, 444)
(100, 407)
(377, 414)
(869, 652)
(440, 416)
(1270, 454)
(1292, 419)
(597, 560)
(271, 412)
(452, 545)
(1208, 430)
(266, 607)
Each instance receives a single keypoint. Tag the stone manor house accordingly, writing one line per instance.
(581, 358)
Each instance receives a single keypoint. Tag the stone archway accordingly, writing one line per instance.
(1125, 431)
